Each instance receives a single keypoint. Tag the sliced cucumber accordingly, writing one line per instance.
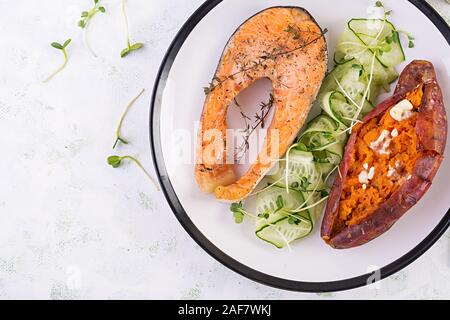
(276, 226)
(323, 123)
(332, 102)
(382, 76)
(329, 84)
(282, 232)
(312, 200)
(342, 110)
(368, 29)
(331, 156)
(352, 46)
(353, 79)
(301, 166)
(349, 48)
(268, 206)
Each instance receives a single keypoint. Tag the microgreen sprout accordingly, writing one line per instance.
(407, 36)
(238, 212)
(86, 17)
(117, 161)
(130, 47)
(293, 219)
(63, 49)
(119, 138)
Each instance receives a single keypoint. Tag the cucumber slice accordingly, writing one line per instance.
(317, 140)
(326, 167)
(329, 84)
(353, 83)
(368, 29)
(332, 155)
(267, 203)
(349, 47)
(323, 123)
(282, 233)
(352, 46)
(301, 166)
(312, 200)
(353, 78)
(341, 109)
(336, 105)
(276, 228)
(392, 75)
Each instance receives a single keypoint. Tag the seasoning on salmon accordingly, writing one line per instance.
(285, 45)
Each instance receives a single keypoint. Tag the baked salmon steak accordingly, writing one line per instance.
(285, 45)
(390, 161)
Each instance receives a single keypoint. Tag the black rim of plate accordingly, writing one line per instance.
(206, 244)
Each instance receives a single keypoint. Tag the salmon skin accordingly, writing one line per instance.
(285, 45)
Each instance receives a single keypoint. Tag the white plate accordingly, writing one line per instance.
(310, 265)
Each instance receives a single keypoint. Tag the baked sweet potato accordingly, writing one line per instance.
(390, 161)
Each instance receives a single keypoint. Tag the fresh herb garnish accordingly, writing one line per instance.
(119, 138)
(324, 193)
(279, 203)
(302, 147)
(394, 37)
(295, 185)
(296, 32)
(293, 219)
(267, 56)
(410, 39)
(304, 184)
(238, 212)
(264, 215)
(117, 161)
(259, 120)
(130, 47)
(63, 49)
(86, 17)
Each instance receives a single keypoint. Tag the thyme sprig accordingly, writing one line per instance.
(267, 56)
(296, 32)
(259, 120)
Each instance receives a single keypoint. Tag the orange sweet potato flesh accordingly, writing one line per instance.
(356, 212)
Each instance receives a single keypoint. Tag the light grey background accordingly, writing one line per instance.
(70, 226)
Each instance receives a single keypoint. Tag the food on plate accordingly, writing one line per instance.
(291, 199)
(283, 44)
(390, 161)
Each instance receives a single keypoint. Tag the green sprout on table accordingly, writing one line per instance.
(117, 161)
(119, 137)
(63, 49)
(86, 17)
(130, 47)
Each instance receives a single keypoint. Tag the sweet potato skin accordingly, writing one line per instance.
(431, 130)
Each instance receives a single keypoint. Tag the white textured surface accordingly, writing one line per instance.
(71, 227)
